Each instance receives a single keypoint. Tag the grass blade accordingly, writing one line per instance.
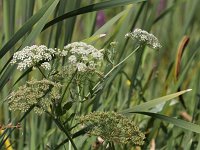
(91, 8)
(36, 31)
(24, 29)
(177, 122)
(154, 102)
(110, 23)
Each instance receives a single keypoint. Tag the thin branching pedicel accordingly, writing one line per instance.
(144, 38)
(113, 127)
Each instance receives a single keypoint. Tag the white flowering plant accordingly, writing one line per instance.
(89, 74)
(68, 85)
(144, 38)
(32, 55)
(82, 62)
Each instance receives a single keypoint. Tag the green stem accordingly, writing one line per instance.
(73, 76)
(66, 132)
(107, 74)
(42, 72)
(60, 126)
(112, 145)
(121, 62)
(77, 134)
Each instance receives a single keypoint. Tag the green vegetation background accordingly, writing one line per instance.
(147, 75)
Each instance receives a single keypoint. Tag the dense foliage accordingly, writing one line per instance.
(99, 74)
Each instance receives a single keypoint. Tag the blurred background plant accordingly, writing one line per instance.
(130, 87)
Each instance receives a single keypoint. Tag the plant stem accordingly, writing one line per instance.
(61, 127)
(109, 72)
(42, 72)
(73, 76)
(65, 131)
(77, 134)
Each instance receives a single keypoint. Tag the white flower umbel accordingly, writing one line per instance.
(97, 55)
(81, 67)
(145, 38)
(63, 53)
(46, 65)
(34, 93)
(81, 54)
(72, 59)
(31, 55)
(83, 49)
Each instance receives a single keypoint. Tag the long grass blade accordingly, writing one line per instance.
(152, 103)
(177, 122)
(90, 8)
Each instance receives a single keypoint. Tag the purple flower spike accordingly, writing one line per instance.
(161, 6)
(101, 18)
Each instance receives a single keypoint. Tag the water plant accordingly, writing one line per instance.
(77, 83)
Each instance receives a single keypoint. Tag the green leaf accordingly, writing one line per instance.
(68, 105)
(41, 23)
(91, 8)
(70, 117)
(177, 122)
(24, 29)
(166, 12)
(190, 15)
(154, 102)
(110, 23)
(104, 28)
(5, 77)
(23, 75)
(184, 71)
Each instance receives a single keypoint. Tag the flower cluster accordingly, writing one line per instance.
(38, 93)
(145, 38)
(31, 55)
(82, 56)
(113, 127)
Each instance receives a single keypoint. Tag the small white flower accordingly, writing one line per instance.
(73, 50)
(127, 35)
(21, 66)
(28, 62)
(46, 65)
(63, 53)
(145, 37)
(51, 51)
(47, 56)
(81, 51)
(81, 67)
(37, 58)
(97, 55)
(84, 58)
(31, 55)
(72, 59)
(92, 65)
(80, 48)
(81, 54)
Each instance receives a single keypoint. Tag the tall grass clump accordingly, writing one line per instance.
(99, 74)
